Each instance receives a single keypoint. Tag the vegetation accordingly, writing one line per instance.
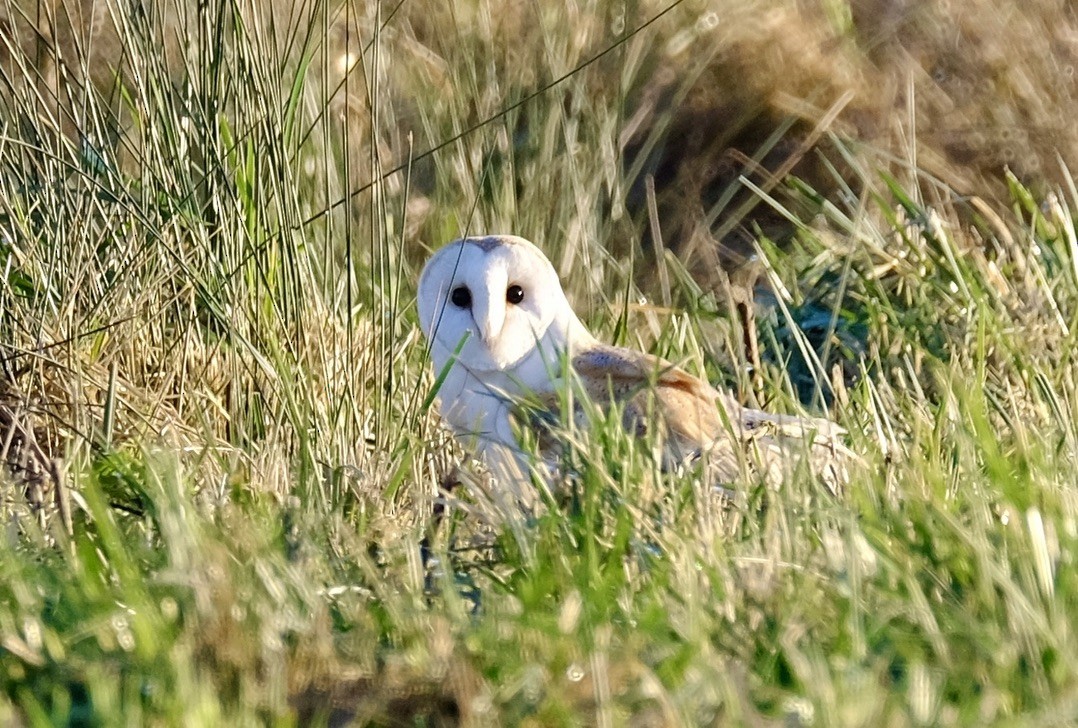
(222, 465)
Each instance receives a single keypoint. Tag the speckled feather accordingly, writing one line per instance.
(657, 398)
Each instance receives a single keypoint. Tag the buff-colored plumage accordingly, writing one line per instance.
(497, 352)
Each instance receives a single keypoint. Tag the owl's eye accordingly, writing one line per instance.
(514, 294)
(461, 297)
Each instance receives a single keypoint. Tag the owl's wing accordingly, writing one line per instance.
(643, 384)
(651, 388)
(628, 370)
(698, 419)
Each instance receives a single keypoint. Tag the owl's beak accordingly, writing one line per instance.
(489, 317)
(489, 310)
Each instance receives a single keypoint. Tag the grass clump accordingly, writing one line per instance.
(222, 469)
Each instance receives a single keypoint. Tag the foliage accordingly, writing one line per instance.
(215, 398)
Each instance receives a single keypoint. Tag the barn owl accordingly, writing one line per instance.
(500, 330)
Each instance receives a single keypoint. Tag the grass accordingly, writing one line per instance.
(214, 402)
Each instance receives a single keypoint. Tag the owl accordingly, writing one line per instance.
(504, 339)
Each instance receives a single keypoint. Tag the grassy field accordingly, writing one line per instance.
(222, 462)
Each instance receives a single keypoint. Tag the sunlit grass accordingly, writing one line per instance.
(209, 337)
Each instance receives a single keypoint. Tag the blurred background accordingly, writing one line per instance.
(709, 93)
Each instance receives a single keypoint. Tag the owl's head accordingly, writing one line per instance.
(501, 293)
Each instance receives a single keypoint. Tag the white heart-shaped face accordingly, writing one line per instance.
(500, 292)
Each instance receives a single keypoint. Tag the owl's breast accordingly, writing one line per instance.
(474, 408)
(477, 403)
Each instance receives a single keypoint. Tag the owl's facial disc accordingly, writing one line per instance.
(502, 295)
(504, 332)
